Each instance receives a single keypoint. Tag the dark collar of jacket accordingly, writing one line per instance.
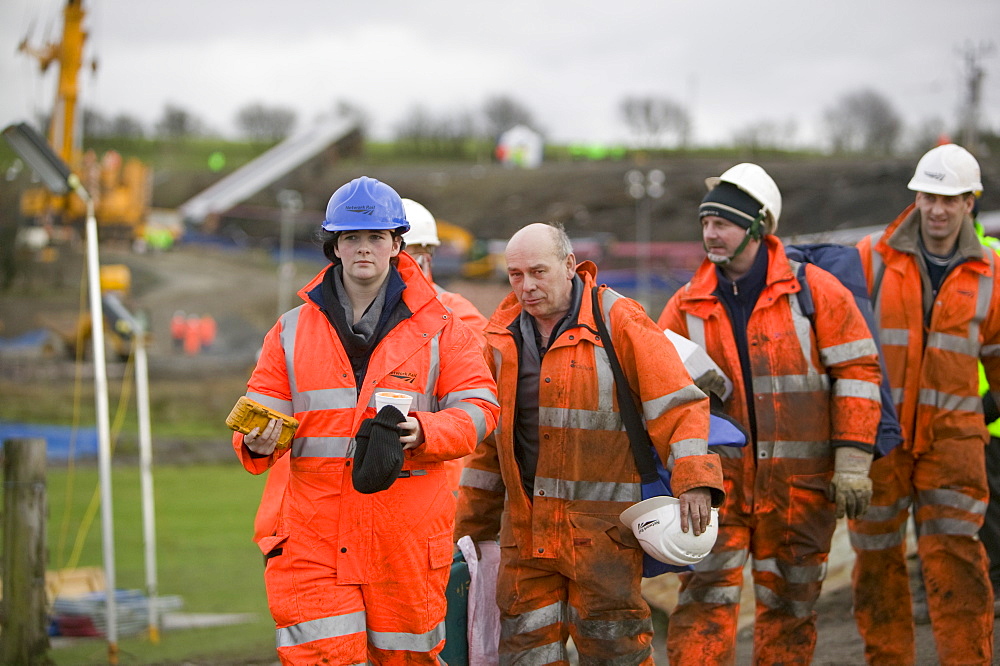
(903, 235)
(509, 309)
(698, 297)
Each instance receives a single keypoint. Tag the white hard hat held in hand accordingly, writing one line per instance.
(656, 523)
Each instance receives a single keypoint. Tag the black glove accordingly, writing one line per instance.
(378, 454)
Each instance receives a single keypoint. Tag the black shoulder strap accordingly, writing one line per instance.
(804, 296)
(637, 435)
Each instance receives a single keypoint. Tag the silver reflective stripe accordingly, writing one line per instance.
(790, 383)
(591, 491)
(790, 572)
(770, 598)
(331, 398)
(847, 351)
(726, 559)
(894, 337)
(729, 594)
(802, 324)
(277, 404)
(322, 447)
(877, 268)
(483, 394)
(324, 627)
(990, 350)
(605, 380)
(608, 299)
(652, 409)
(857, 388)
(725, 451)
(953, 343)
(610, 630)
(434, 368)
(475, 412)
(897, 396)
(289, 324)
(878, 541)
(399, 640)
(696, 329)
(878, 514)
(583, 419)
(794, 449)
(948, 526)
(477, 478)
(550, 653)
(688, 447)
(533, 620)
(950, 402)
(952, 498)
(984, 297)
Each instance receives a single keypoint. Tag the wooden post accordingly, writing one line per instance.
(25, 637)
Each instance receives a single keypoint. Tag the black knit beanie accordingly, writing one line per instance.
(378, 454)
(729, 202)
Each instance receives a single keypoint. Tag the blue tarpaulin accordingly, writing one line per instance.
(61, 442)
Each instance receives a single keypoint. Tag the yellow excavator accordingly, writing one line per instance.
(121, 189)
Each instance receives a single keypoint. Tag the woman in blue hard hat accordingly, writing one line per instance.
(358, 576)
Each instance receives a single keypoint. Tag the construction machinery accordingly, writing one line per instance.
(121, 189)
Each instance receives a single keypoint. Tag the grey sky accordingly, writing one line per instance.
(730, 62)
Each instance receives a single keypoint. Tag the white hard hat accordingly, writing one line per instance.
(423, 227)
(947, 170)
(656, 523)
(753, 180)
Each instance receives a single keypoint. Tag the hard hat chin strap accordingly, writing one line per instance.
(754, 232)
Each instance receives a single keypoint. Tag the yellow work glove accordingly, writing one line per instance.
(851, 487)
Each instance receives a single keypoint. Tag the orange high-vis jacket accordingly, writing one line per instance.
(932, 360)
(585, 463)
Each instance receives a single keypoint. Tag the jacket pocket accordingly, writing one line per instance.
(440, 551)
(810, 517)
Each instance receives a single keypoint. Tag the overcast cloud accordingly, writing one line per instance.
(729, 62)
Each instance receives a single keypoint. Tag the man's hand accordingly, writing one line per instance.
(851, 487)
(411, 435)
(697, 503)
(263, 443)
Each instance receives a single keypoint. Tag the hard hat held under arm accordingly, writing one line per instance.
(705, 372)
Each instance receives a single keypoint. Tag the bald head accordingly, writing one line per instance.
(540, 267)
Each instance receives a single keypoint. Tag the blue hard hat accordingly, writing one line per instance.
(365, 203)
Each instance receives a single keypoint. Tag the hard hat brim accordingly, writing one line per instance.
(631, 514)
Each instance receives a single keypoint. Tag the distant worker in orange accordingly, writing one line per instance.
(208, 331)
(178, 327)
(192, 336)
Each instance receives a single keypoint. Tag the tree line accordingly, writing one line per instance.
(862, 121)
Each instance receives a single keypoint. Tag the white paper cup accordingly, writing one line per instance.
(400, 400)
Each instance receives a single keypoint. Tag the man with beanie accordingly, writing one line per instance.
(553, 479)
(936, 291)
(807, 390)
(360, 553)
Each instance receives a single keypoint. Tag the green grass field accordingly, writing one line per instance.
(204, 517)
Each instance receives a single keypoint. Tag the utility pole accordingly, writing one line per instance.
(972, 56)
(644, 187)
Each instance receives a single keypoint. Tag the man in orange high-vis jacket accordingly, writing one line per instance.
(808, 392)
(568, 566)
(936, 290)
(421, 239)
(353, 577)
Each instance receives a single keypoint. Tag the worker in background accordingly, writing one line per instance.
(421, 239)
(207, 329)
(936, 290)
(807, 392)
(553, 479)
(192, 335)
(989, 533)
(178, 328)
(357, 567)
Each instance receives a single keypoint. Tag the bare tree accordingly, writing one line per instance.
(258, 122)
(766, 135)
(502, 112)
(126, 126)
(656, 121)
(863, 121)
(178, 123)
(354, 113)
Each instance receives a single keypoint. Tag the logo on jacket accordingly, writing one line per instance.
(408, 377)
(642, 527)
(364, 210)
